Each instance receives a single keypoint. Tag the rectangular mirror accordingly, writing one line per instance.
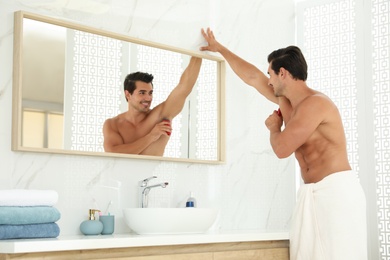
(68, 79)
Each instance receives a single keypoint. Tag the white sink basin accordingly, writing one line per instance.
(146, 221)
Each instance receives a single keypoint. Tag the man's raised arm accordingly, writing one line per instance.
(245, 70)
(175, 101)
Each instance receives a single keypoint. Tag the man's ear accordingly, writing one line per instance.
(283, 72)
(127, 95)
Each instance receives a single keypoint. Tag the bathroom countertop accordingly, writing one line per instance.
(80, 242)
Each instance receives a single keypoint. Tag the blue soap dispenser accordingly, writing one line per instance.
(91, 226)
(191, 201)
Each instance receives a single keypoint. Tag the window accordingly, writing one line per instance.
(47, 126)
(347, 45)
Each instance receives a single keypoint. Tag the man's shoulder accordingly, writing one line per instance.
(318, 99)
(111, 119)
(317, 105)
(115, 120)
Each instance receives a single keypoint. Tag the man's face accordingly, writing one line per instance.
(274, 81)
(142, 97)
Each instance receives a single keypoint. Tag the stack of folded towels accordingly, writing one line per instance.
(28, 214)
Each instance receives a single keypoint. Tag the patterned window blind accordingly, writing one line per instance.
(330, 50)
(381, 100)
(95, 95)
(207, 107)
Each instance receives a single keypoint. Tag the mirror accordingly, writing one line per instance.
(68, 79)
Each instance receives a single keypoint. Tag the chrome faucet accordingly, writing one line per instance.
(144, 189)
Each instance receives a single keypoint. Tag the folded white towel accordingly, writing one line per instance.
(23, 197)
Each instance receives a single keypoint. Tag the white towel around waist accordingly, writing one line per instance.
(24, 197)
(329, 220)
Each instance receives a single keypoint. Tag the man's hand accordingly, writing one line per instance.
(162, 128)
(212, 43)
(274, 122)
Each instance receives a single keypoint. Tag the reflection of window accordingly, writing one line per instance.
(205, 122)
(42, 129)
(94, 92)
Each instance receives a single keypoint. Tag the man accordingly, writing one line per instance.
(329, 218)
(142, 130)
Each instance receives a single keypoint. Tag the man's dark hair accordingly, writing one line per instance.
(129, 83)
(290, 58)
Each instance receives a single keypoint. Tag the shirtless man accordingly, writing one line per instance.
(314, 132)
(142, 130)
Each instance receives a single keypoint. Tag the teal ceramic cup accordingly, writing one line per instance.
(108, 222)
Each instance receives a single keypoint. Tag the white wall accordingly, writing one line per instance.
(254, 189)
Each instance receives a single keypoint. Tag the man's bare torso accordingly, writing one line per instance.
(130, 133)
(324, 152)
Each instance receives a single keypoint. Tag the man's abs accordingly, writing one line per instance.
(315, 168)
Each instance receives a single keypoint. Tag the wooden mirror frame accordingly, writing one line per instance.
(17, 90)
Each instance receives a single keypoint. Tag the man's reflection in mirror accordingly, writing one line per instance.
(142, 130)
